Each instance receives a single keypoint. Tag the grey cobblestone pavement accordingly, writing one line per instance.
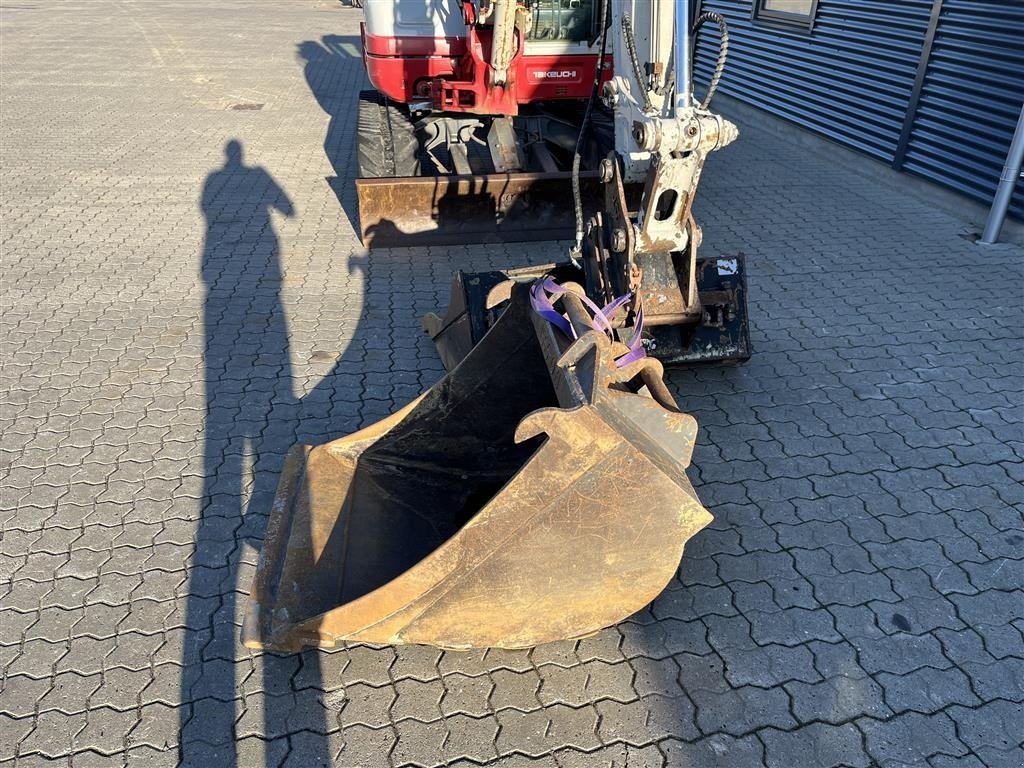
(177, 311)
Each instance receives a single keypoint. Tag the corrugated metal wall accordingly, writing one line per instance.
(850, 79)
(972, 95)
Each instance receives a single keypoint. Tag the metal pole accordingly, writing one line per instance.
(1007, 181)
(682, 54)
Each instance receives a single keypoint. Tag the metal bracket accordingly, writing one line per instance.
(453, 133)
(501, 141)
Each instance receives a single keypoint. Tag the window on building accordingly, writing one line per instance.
(798, 13)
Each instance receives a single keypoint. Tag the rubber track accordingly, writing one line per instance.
(386, 143)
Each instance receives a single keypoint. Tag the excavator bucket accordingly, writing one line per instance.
(536, 493)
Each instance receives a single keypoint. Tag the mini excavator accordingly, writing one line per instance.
(538, 491)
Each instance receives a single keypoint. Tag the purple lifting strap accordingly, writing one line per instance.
(540, 298)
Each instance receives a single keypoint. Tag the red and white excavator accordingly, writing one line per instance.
(538, 490)
(475, 117)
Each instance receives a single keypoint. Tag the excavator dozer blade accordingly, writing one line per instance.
(482, 208)
(537, 492)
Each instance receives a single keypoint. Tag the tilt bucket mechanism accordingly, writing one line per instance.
(535, 493)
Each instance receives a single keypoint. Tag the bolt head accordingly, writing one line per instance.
(619, 240)
(640, 134)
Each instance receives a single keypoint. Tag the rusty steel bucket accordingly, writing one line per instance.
(536, 493)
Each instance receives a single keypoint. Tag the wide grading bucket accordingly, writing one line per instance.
(537, 492)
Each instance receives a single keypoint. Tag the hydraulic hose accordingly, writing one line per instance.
(638, 73)
(723, 50)
(577, 197)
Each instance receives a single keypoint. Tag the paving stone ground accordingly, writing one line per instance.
(178, 310)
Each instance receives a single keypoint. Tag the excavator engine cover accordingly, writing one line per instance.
(535, 493)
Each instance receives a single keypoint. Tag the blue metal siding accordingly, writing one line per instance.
(850, 79)
(971, 99)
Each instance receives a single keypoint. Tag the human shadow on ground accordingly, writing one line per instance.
(251, 413)
(326, 64)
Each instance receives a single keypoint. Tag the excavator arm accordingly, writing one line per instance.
(646, 245)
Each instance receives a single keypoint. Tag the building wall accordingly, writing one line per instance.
(852, 79)
(971, 98)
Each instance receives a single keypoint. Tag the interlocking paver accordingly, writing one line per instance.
(309, 749)
(515, 689)
(417, 661)
(37, 658)
(69, 692)
(991, 731)
(636, 722)
(157, 727)
(911, 738)
(739, 711)
(562, 654)
(653, 676)
(574, 727)
(368, 665)
(927, 690)
(467, 695)
(611, 681)
(717, 751)
(106, 730)
(13, 732)
(417, 699)
(837, 699)
(22, 694)
(256, 751)
(53, 734)
(170, 328)
(900, 654)
(471, 738)
(770, 665)
(523, 732)
(420, 743)
(265, 716)
(1002, 679)
(612, 756)
(816, 744)
(367, 705)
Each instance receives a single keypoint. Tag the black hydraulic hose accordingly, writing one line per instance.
(627, 28)
(577, 197)
(638, 73)
(723, 50)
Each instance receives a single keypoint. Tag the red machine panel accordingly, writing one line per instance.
(454, 75)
